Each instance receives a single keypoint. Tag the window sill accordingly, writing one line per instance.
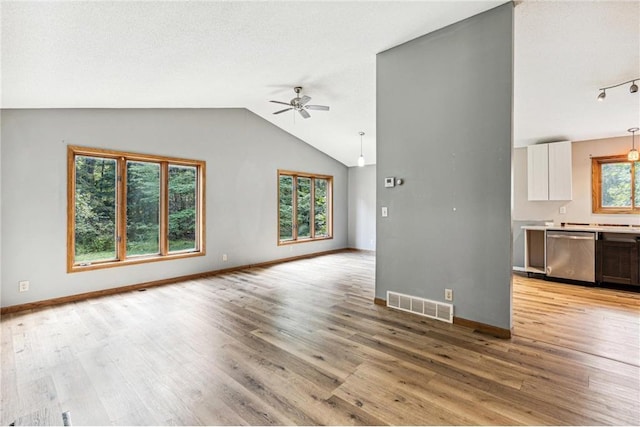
(294, 242)
(76, 268)
(616, 211)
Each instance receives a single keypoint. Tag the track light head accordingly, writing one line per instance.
(634, 87)
(602, 95)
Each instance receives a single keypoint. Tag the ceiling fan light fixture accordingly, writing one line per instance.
(300, 104)
(633, 155)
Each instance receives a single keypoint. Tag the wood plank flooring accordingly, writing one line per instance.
(303, 343)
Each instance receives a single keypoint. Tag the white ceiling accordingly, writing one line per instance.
(566, 50)
(242, 54)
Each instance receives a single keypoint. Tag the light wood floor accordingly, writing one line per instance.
(302, 343)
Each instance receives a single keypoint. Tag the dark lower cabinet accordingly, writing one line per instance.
(618, 258)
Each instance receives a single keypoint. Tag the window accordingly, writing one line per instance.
(126, 208)
(304, 207)
(615, 185)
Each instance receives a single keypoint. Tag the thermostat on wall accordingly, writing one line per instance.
(390, 182)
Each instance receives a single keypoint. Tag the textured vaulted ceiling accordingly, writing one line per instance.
(242, 54)
(566, 50)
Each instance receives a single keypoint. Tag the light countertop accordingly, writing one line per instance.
(595, 228)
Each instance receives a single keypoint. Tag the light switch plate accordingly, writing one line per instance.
(385, 212)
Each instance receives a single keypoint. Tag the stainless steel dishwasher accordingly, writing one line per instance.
(571, 255)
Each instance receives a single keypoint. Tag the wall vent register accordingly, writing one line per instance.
(421, 306)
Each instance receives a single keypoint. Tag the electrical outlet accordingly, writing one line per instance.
(448, 294)
(224, 257)
(563, 209)
(23, 285)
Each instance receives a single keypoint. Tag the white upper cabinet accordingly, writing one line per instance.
(538, 172)
(560, 171)
(549, 171)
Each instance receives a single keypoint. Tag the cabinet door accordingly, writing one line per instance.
(637, 267)
(560, 171)
(617, 260)
(538, 172)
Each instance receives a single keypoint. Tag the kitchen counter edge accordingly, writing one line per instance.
(593, 228)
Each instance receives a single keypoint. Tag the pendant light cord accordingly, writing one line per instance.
(633, 136)
(633, 153)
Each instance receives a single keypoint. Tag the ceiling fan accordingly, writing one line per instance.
(300, 104)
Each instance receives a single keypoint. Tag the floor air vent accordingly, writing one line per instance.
(424, 307)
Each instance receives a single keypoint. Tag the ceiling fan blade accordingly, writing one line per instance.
(305, 99)
(279, 102)
(282, 111)
(317, 107)
(304, 113)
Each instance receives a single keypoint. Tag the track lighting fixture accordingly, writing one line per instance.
(361, 158)
(633, 155)
(632, 89)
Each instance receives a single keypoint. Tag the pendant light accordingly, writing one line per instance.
(633, 155)
(361, 158)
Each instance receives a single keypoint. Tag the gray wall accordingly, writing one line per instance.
(1, 206)
(444, 124)
(362, 207)
(242, 152)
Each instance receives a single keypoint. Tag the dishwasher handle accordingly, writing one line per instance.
(559, 236)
